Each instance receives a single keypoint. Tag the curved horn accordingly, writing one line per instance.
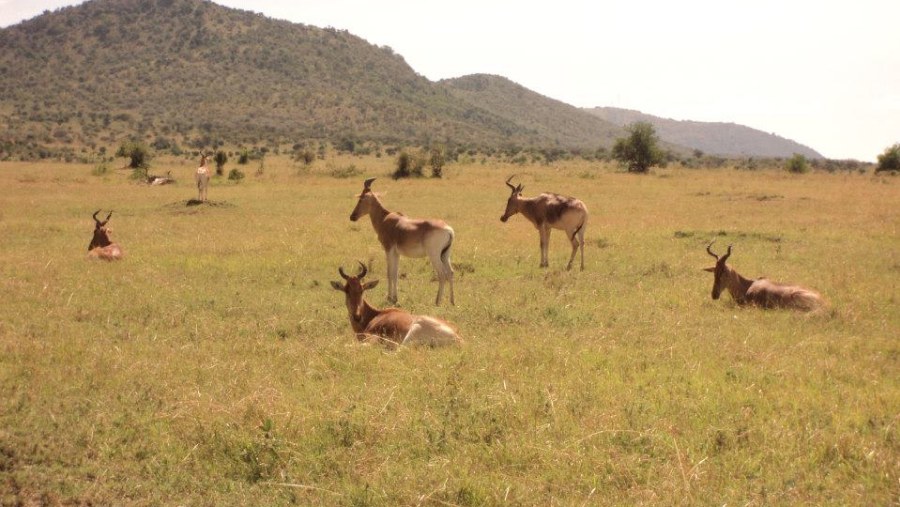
(107, 217)
(362, 270)
(343, 275)
(727, 254)
(508, 184)
(710, 251)
(368, 183)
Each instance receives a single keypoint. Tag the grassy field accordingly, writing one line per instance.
(215, 365)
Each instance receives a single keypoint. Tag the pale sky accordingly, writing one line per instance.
(823, 73)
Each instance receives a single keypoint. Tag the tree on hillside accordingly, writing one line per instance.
(638, 152)
(890, 159)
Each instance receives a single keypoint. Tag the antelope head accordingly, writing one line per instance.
(101, 232)
(353, 290)
(720, 270)
(512, 205)
(364, 204)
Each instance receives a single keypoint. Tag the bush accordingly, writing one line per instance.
(890, 159)
(797, 164)
(638, 152)
(221, 159)
(137, 153)
(235, 175)
(437, 161)
(404, 166)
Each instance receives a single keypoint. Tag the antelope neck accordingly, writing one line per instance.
(737, 285)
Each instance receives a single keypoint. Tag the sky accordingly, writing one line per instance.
(820, 72)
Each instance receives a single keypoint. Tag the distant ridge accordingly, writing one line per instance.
(725, 139)
(199, 75)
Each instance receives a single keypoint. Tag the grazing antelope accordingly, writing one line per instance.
(550, 211)
(101, 247)
(202, 178)
(392, 327)
(761, 291)
(410, 237)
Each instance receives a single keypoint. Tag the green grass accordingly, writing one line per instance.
(215, 364)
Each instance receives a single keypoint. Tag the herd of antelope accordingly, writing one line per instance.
(400, 235)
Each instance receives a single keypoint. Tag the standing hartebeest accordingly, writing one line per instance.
(202, 178)
(100, 246)
(410, 237)
(392, 327)
(761, 291)
(550, 211)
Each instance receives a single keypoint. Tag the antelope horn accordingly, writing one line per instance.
(362, 270)
(368, 183)
(343, 275)
(508, 184)
(710, 251)
(727, 254)
(95, 217)
(107, 217)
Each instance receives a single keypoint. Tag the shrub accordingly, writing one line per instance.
(890, 159)
(235, 175)
(638, 152)
(404, 165)
(437, 161)
(221, 159)
(797, 164)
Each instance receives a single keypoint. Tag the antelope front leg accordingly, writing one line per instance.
(545, 246)
(393, 269)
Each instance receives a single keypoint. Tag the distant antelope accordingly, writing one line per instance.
(761, 291)
(550, 211)
(101, 247)
(410, 237)
(202, 178)
(392, 327)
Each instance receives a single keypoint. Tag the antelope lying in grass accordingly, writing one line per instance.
(761, 291)
(410, 237)
(550, 211)
(392, 327)
(202, 179)
(101, 247)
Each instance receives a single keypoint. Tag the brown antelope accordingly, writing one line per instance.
(392, 327)
(101, 247)
(410, 237)
(550, 211)
(202, 178)
(760, 292)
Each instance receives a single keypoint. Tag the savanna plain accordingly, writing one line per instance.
(215, 365)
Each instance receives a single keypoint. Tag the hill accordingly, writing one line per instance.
(195, 72)
(725, 139)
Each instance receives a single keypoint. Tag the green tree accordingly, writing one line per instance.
(890, 159)
(138, 154)
(797, 164)
(638, 152)
(221, 158)
(437, 161)
(404, 165)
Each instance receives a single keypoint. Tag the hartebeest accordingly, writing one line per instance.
(100, 246)
(202, 179)
(760, 292)
(392, 327)
(550, 211)
(410, 237)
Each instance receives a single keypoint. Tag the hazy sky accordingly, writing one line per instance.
(823, 73)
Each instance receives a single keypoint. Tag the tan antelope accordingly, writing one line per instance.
(391, 327)
(409, 237)
(100, 246)
(550, 211)
(760, 292)
(202, 178)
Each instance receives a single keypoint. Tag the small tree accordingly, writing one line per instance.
(638, 152)
(221, 159)
(890, 159)
(437, 161)
(137, 153)
(404, 164)
(797, 164)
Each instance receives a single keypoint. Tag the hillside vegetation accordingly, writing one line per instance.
(215, 365)
(196, 75)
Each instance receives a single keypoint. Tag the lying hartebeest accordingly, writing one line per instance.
(550, 211)
(761, 291)
(410, 237)
(391, 326)
(202, 178)
(101, 247)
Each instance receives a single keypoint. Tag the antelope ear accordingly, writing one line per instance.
(370, 284)
(338, 286)
(711, 270)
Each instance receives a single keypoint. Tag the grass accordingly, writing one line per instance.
(215, 364)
